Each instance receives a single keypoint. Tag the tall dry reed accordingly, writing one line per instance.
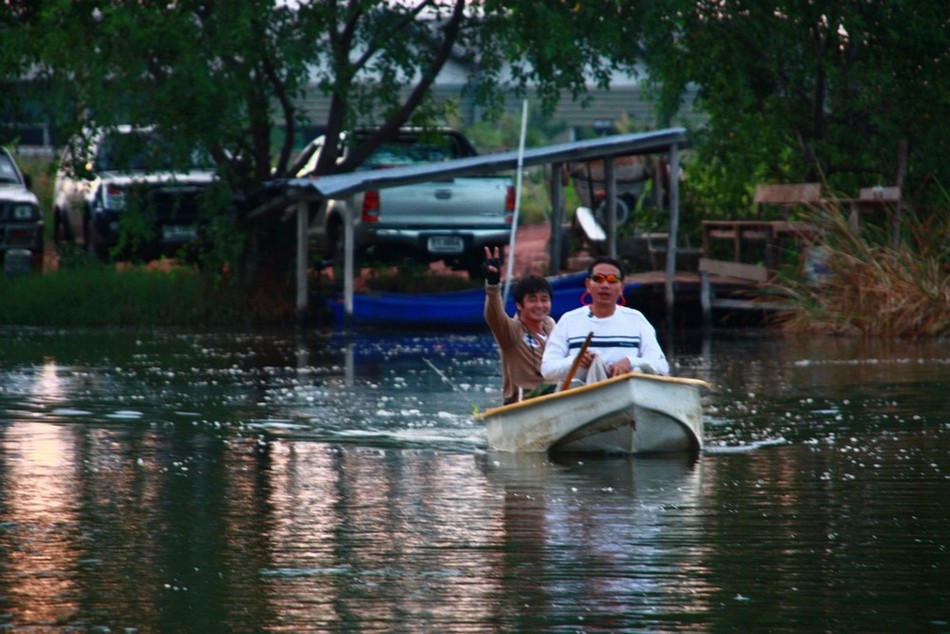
(869, 285)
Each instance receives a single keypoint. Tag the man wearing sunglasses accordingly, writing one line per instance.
(622, 339)
(521, 338)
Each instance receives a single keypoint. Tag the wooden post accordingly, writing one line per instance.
(899, 182)
(674, 230)
(659, 165)
(705, 298)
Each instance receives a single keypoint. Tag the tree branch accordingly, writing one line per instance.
(388, 129)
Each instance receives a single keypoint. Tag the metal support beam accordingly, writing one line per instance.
(303, 223)
(349, 245)
(610, 205)
(674, 230)
(557, 217)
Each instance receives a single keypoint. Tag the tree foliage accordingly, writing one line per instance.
(232, 76)
(230, 73)
(847, 91)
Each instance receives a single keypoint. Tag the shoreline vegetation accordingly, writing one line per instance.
(166, 293)
(110, 296)
(864, 285)
(870, 284)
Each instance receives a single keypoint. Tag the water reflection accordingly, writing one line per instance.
(635, 521)
(175, 481)
(41, 519)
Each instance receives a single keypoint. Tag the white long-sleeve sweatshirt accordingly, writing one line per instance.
(626, 333)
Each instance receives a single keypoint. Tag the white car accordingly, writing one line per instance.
(123, 176)
(21, 223)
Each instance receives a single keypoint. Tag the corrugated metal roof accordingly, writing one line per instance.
(342, 185)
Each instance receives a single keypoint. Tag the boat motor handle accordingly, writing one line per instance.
(577, 362)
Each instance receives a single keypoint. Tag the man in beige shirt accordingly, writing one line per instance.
(521, 338)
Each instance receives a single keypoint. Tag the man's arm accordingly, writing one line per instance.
(557, 359)
(650, 351)
(495, 315)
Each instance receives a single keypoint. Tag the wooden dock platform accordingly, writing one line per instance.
(726, 301)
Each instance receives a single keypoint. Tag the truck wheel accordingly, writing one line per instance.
(59, 231)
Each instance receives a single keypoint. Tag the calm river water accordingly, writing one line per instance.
(170, 481)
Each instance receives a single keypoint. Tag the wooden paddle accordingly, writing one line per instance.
(577, 361)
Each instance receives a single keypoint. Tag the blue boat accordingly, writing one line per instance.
(451, 309)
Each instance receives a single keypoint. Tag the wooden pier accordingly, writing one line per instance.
(722, 299)
(720, 287)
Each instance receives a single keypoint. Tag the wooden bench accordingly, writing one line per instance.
(872, 200)
(786, 197)
(772, 235)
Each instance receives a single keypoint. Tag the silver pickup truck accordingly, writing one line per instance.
(450, 220)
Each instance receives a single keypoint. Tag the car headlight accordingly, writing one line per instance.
(24, 211)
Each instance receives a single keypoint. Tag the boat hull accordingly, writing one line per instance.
(631, 414)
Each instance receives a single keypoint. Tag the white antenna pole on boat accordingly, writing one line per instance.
(514, 221)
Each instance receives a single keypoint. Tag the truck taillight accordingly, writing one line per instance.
(510, 204)
(370, 211)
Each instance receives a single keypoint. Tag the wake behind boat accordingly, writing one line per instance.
(629, 414)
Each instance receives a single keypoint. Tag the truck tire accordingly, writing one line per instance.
(335, 247)
(61, 232)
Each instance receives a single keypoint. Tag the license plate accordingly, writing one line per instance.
(446, 244)
(179, 233)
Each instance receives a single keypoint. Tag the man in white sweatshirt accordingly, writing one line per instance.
(623, 339)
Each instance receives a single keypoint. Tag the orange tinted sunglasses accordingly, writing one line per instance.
(600, 278)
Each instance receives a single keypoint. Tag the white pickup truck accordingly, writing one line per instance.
(106, 176)
(450, 219)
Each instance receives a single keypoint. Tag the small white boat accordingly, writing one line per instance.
(629, 414)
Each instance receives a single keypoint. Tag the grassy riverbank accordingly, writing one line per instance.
(103, 296)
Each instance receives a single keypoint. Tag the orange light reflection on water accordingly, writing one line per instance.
(40, 497)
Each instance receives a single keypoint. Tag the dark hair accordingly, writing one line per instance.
(603, 259)
(532, 284)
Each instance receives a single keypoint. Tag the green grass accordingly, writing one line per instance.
(102, 296)
(84, 292)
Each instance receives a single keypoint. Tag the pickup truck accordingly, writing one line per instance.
(449, 220)
(21, 223)
(104, 175)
